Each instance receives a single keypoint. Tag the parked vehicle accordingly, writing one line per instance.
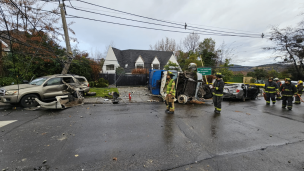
(240, 91)
(43, 88)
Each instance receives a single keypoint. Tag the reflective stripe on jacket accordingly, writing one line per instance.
(171, 87)
(271, 87)
(288, 90)
(218, 86)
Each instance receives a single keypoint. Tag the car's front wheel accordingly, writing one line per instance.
(29, 101)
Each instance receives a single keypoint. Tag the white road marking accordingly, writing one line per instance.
(4, 123)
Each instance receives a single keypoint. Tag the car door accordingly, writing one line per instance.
(53, 87)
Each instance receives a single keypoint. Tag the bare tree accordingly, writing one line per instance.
(289, 46)
(225, 52)
(166, 45)
(191, 42)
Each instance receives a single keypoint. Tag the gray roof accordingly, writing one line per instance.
(130, 56)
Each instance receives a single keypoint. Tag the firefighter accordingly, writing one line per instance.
(218, 86)
(288, 90)
(170, 93)
(299, 92)
(279, 97)
(271, 89)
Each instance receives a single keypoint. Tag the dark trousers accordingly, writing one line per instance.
(217, 101)
(270, 96)
(298, 100)
(287, 100)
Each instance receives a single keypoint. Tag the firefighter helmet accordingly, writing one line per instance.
(219, 75)
(270, 78)
(192, 66)
(276, 79)
(300, 81)
(287, 79)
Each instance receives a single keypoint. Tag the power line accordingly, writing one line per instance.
(73, 16)
(154, 18)
(148, 22)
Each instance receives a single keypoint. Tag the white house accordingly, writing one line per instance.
(134, 59)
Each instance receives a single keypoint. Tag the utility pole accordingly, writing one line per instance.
(67, 40)
(202, 66)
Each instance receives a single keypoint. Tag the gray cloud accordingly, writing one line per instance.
(255, 16)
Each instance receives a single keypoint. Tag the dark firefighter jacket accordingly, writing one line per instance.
(288, 90)
(300, 88)
(271, 87)
(218, 87)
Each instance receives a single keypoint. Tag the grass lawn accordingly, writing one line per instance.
(103, 92)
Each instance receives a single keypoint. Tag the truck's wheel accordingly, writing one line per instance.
(29, 101)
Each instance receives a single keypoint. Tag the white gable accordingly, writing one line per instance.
(110, 60)
(173, 59)
(139, 60)
(155, 61)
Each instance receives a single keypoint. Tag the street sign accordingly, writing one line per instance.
(204, 71)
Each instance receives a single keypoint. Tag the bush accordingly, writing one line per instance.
(100, 83)
(5, 81)
(140, 71)
(252, 80)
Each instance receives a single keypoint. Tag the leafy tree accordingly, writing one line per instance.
(258, 74)
(172, 66)
(239, 74)
(273, 73)
(209, 58)
(284, 74)
(192, 58)
(208, 44)
(34, 33)
(224, 69)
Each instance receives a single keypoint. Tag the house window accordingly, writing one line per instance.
(139, 66)
(110, 67)
(155, 66)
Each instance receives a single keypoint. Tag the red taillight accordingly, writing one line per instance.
(238, 90)
(88, 84)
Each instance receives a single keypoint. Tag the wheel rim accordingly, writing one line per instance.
(30, 101)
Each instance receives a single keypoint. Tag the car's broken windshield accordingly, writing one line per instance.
(38, 81)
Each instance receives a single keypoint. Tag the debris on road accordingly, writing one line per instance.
(196, 102)
(44, 161)
(76, 155)
(115, 158)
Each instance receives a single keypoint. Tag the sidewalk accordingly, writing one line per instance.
(138, 95)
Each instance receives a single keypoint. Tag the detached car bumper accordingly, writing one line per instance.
(9, 99)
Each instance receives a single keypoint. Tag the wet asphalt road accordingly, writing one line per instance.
(246, 136)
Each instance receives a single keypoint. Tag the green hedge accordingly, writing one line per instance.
(100, 83)
(5, 81)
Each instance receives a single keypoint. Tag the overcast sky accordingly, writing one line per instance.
(249, 16)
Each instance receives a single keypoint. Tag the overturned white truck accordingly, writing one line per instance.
(190, 86)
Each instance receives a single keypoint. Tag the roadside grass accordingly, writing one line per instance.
(103, 92)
